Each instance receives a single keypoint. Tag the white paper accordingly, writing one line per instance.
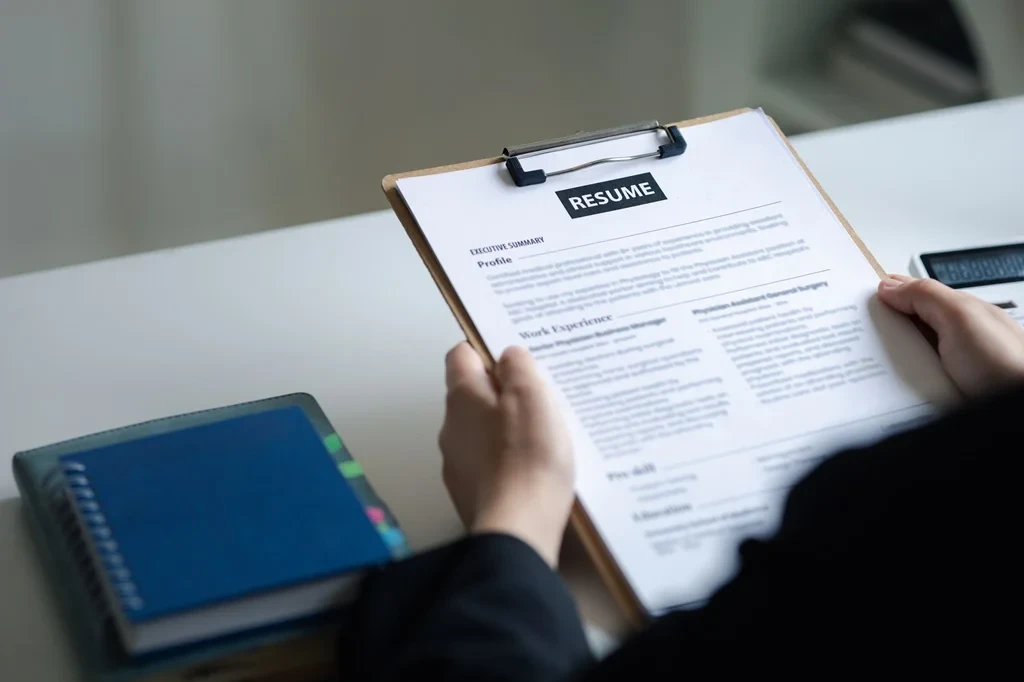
(707, 349)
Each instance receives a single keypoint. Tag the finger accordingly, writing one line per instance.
(460, 361)
(465, 369)
(517, 368)
(937, 305)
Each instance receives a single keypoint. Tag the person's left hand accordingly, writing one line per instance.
(508, 457)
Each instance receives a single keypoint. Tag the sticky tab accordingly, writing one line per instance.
(332, 443)
(393, 537)
(351, 469)
(376, 514)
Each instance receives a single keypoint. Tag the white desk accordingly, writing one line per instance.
(345, 310)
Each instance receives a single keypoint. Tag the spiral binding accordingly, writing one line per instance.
(77, 547)
(111, 561)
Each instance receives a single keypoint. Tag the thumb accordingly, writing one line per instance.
(937, 305)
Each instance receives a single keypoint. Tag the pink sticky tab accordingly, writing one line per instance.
(376, 514)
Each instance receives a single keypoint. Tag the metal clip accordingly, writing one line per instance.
(523, 178)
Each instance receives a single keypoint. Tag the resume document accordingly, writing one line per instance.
(707, 324)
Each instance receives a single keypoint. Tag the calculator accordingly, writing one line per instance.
(993, 272)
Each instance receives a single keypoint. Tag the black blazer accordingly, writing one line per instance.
(896, 558)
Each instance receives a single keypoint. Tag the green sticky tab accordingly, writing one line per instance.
(351, 469)
(383, 527)
(333, 443)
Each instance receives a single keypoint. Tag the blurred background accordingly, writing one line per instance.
(130, 125)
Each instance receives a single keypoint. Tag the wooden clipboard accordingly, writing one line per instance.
(580, 522)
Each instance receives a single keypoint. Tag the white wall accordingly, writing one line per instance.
(129, 125)
(135, 125)
(55, 174)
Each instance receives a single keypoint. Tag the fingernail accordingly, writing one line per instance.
(890, 283)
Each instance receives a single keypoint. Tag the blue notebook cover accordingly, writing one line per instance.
(296, 649)
(221, 511)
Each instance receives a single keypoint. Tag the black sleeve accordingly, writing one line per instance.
(486, 608)
(902, 551)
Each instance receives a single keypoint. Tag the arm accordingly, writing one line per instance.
(903, 549)
(486, 608)
(489, 607)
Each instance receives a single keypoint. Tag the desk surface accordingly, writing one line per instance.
(344, 310)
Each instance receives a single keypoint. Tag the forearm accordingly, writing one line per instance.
(486, 608)
(901, 547)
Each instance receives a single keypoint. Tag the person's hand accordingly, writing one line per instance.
(508, 458)
(980, 346)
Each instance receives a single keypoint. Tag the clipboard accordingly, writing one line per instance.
(607, 568)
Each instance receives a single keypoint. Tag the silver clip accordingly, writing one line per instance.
(676, 145)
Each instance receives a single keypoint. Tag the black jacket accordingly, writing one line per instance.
(896, 556)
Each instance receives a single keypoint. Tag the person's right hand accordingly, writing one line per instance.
(980, 346)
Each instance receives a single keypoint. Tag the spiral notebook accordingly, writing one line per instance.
(201, 536)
